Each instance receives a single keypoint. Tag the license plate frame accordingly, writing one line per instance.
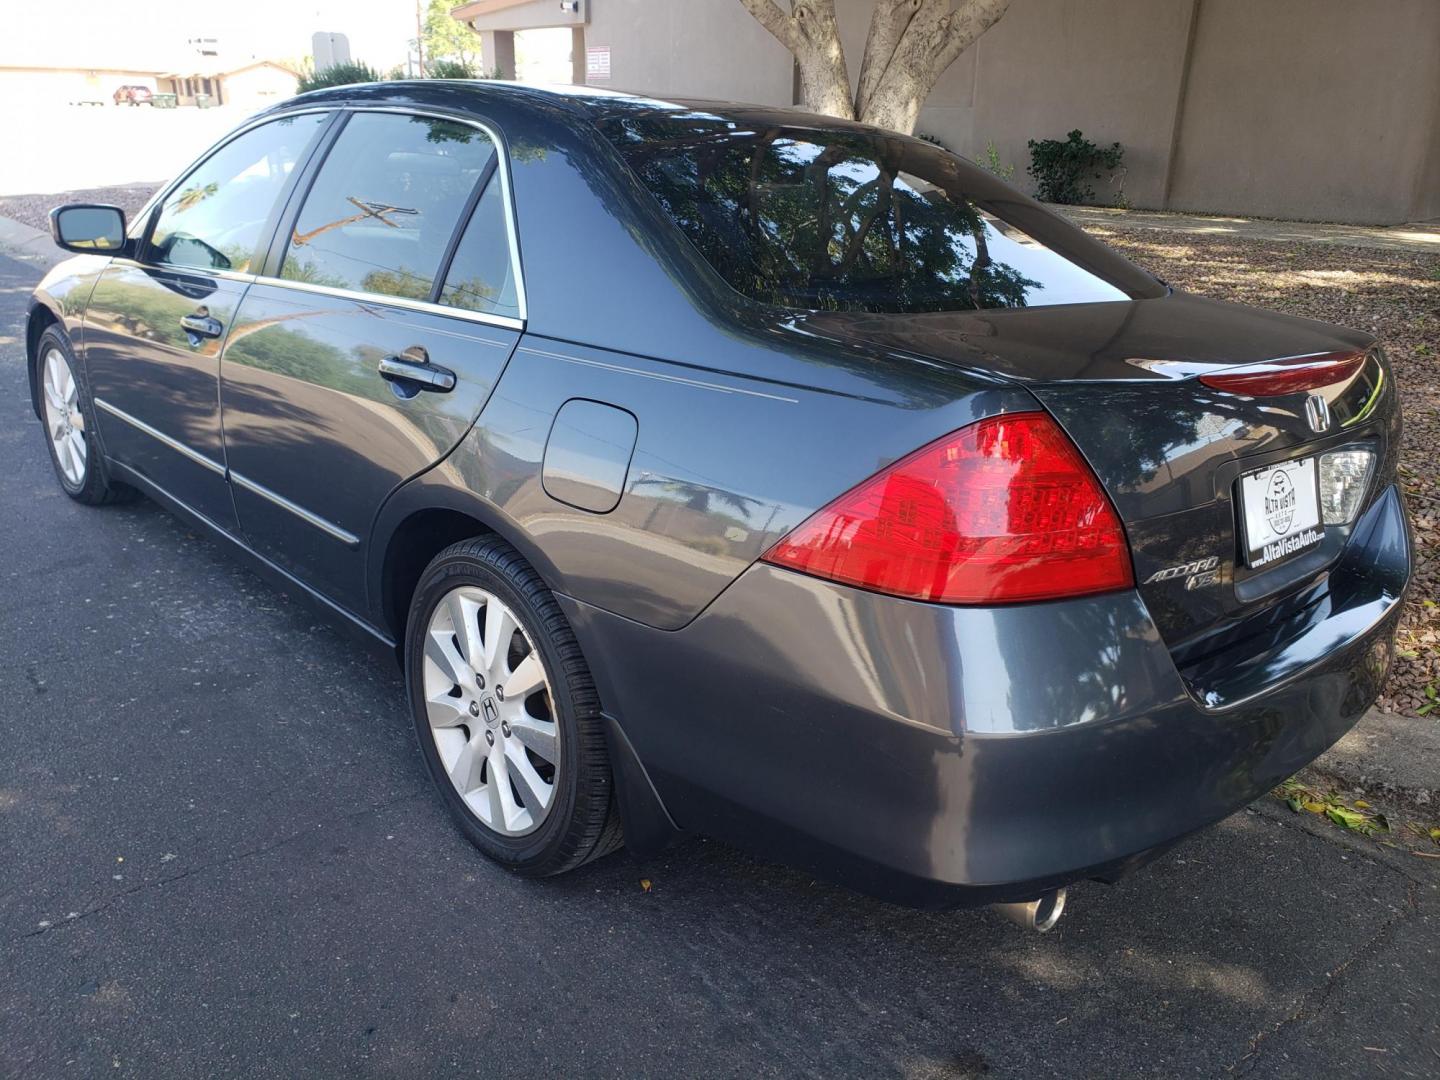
(1280, 516)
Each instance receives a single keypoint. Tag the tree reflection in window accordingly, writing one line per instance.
(830, 219)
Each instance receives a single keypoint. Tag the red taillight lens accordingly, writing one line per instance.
(1001, 511)
(1291, 376)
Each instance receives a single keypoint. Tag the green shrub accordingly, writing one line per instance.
(450, 69)
(992, 164)
(339, 75)
(1063, 169)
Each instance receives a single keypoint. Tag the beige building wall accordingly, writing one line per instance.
(1111, 68)
(1312, 109)
(691, 48)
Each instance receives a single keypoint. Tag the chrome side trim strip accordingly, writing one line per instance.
(195, 271)
(405, 302)
(349, 539)
(174, 444)
(718, 388)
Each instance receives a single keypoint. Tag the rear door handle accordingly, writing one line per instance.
(202, 324)
(416, 374)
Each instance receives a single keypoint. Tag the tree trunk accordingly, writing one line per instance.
(810, 33)
(910, 44)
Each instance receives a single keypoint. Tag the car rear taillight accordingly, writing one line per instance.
(1289, 376)
(1001, 511)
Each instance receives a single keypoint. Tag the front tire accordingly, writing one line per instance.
(506, 713)
(69, 419)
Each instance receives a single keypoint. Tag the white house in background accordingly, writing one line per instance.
(251, 86)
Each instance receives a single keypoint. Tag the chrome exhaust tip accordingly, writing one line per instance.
(1039, 915)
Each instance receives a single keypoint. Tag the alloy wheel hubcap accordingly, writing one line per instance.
(491, 712)
(63, 419)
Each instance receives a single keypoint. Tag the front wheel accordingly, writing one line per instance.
(70, 425)
(506, 712)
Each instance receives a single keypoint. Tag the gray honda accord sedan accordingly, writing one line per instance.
(722, 468)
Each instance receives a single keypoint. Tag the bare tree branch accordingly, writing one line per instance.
(769, 15)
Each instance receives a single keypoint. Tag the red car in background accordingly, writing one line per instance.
(133, 95)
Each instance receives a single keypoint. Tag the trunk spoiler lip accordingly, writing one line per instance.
(967, 342)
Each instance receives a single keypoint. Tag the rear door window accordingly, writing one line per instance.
(384, 206)
(215, 217)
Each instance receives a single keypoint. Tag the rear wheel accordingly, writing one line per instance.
(506, 712)
(69, 420)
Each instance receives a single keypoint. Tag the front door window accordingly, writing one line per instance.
(215, 218)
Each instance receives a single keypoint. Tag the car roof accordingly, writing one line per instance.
(582, 103)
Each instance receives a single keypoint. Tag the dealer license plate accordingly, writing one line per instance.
(1280, 512)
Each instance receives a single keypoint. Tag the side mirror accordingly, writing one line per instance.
(88, 229)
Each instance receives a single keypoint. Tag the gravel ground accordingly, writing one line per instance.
(34, 210)
(1396, 297)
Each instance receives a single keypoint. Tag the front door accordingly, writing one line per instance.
(371, 353)
(155, 326)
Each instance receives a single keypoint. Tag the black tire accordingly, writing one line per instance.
(582, 823)
(95, 487)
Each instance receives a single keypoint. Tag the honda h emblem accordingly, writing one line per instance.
(1317, 409)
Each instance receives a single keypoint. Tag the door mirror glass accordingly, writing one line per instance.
(89, 229)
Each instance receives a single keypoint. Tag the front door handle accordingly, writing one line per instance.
(202, 324)
(414, 375)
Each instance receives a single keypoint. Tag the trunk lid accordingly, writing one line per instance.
(1121, 379)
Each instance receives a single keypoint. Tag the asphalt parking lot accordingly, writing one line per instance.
(219, 855)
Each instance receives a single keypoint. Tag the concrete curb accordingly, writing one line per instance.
(22, 241)
(1392, 755)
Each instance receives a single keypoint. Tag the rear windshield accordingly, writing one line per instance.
(835, 220)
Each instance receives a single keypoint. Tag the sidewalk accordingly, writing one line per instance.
(1421, 237)
(1391, 755)
(20, 241)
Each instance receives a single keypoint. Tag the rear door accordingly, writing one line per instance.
(391, 305)
(155, 326)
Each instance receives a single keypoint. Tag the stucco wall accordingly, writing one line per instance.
(692, 48)
(1108, 67)
(1311, 108)
(1320, 109)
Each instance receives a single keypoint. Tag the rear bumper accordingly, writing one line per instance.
(939, 756)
